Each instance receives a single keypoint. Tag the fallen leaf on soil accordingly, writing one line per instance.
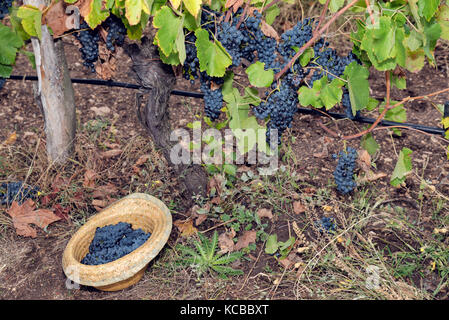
(142, 160)
(62, 212)
(226, 242)
(298, 207)
(101, 111)
(110, 153)
(11, 139)
(216, 200)
(185, 227)
(216, 182)
(200, 219)
(25, 214)
(309, 190)
(245, 239)
(89, 178)
(267, 213)
(365, 158)
(97, 203)
(104, 191)
(370, 177)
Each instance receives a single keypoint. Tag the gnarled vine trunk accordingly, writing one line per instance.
(158, 80)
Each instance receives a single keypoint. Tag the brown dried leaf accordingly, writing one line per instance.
(55, 18)
(110, 153)
(89, 178)
(364, 160)
(99, 203)
(25, 214)
(105, 191)
(62, 212)
(265, 213)
(269, 30)
(185, 227)
(226, 242)
(107, 69)
(245, 239)
(371, 176)
(298, 207)
(216, 183)
(142, 160)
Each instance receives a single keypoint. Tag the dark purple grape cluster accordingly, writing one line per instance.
(213, 99)
(4, 8)
(344, 172)
(112, 242)
(16, 191)
(2, 82)
(326, 224)
(116, 32)
(89, 45)
(231, 39)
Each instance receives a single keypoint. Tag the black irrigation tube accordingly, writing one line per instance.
(98, 82)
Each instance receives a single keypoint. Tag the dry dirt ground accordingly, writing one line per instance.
(391, 228)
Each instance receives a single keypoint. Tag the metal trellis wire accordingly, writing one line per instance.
(109, 83)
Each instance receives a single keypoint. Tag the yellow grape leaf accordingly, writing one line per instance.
(175, 3)
(194, 6)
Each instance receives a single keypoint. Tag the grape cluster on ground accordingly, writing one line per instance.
(16, 191)
(112, 242)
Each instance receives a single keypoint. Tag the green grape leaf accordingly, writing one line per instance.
(335, 5)
(445, 122)
(322, 93)
(443, 21)
(379, 41)
(70, 1)
(331, 94)
(397, 114)
(190, 22)
(358, 86)
(415, 60)
(433, 33)
(271, 246)
(271, 14)
(402, 168)
(171, 59)
(168, 26)
(428, 8)
(369, 144)
(31, 20)
(10, 42)
(245, 128)
(212, 56)
(399, 82)
(96, 14)
(193, 6)
(258, 76)
(16, 23)
(133, 11)
(306, 56)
